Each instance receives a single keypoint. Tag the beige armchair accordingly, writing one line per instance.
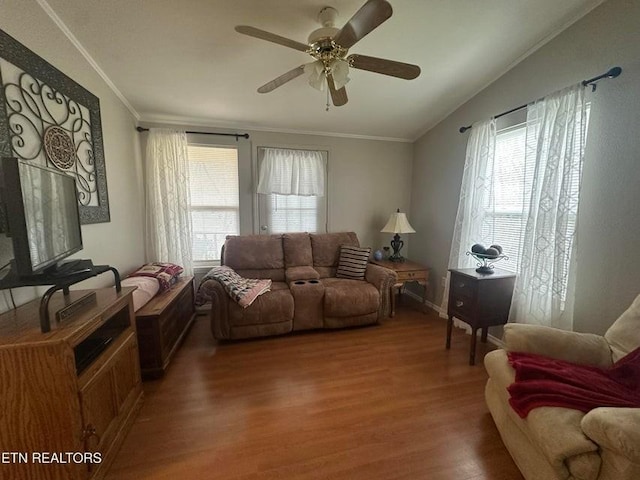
(561, 443)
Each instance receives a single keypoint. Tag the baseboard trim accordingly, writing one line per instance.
(429, 304)
(493, 340)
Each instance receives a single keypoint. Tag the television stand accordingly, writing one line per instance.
(75, 389)
(69, 268)
(59, 282)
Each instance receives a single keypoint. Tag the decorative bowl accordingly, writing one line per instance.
(485, 262)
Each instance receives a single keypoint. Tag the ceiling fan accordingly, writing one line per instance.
(330, 45)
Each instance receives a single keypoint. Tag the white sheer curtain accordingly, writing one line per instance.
(556, 136)
(475, 193)
(292, 172)
(555, 139)
(168, 221)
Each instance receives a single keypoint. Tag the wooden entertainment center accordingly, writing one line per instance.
(73, 392)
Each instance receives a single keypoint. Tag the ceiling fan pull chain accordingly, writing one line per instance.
(327, 109)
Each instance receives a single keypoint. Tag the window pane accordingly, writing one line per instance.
(505, 219)
(513, 175)
(213, 173)
(294, 213)
(214, 197)
(210, 228)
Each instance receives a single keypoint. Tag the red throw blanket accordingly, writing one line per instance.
(546, 382)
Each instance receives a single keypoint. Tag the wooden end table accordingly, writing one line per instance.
(479, 300)
(407, 271)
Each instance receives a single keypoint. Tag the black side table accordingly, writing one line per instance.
(481, 300)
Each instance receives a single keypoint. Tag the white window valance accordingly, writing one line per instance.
(292, 172)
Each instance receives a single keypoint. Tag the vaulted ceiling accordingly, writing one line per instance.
(183, 62)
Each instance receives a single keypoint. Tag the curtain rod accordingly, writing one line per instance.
(612, 73)
(237, 135)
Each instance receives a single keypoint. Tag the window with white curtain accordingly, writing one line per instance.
(292, 170)
(506, 208)
(214, 199)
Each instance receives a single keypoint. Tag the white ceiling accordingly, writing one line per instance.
(182, 61)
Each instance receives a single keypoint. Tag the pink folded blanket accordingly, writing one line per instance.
(542, 381)
(243, 291)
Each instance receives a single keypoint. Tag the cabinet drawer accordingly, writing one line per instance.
(463, 287)
(459, 305)
(412, 276)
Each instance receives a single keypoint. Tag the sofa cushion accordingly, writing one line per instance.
(270, 307)
(345, 298)
(326, 247)
(326, 272)
(254, 252)
(353, 262)
(300, 273)
(297, 249)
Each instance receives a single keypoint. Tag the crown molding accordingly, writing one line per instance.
(199, 122)
(83, 51)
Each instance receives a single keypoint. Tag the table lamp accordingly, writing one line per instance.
(397, 223)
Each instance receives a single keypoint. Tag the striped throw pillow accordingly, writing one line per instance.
(353, 262)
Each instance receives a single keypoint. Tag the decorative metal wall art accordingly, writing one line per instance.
(48, 118)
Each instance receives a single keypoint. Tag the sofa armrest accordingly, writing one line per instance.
(383, 279)
(582, 348)
(616, 429)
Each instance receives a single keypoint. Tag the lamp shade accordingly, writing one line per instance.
(398, 223)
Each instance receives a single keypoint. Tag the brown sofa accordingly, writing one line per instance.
(305, 293)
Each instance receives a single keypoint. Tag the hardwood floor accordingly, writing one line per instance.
(381, 402)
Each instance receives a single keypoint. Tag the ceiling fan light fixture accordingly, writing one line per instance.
(317, 73)
(329, 47)
(340, 72)
(316, 76)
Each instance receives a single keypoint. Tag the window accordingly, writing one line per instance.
(214, 199)
(506, 207)
(282, 213)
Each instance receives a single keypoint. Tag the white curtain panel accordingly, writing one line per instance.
(556, 136)
(168, 221)
(292, 172)
(475, 193)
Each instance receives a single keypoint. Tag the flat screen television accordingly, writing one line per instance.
(43, 217)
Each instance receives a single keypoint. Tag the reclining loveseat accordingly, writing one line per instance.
(305, 292)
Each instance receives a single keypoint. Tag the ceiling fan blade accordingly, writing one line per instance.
(383, 66)
(271, 37)
(370, 15)
(339, 97)
(281, 80)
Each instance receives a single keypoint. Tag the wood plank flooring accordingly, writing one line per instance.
(375, 403)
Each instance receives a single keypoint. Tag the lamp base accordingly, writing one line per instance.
(397, 245)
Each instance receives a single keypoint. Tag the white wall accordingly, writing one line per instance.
(118, 243)
(367, 179)
(609, 220)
